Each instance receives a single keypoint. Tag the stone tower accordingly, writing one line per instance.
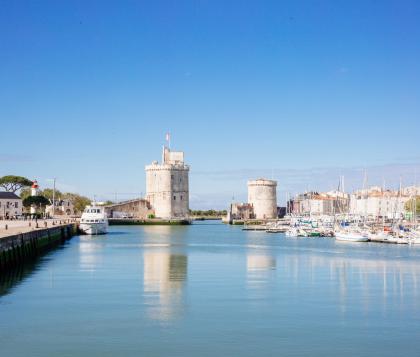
(167, 185)
(262, 195)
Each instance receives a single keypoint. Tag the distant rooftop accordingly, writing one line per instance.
(9, 195)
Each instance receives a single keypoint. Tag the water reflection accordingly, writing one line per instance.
(365, 281)
(260, 266)
(164, 278)
(90, 253)
(11, 278)
(164, 272)
(258, 262)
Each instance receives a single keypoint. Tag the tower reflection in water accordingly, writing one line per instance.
(164, 275)
(260, 265)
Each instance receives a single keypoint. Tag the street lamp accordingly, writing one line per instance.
(53, 200)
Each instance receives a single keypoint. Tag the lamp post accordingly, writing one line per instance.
(54, 179)
(53, 198)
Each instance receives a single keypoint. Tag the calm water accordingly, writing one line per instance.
(213, 290)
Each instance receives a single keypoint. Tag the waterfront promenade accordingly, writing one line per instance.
(18, 226)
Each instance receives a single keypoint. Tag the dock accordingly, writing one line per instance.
(24, 240)
(254, 228)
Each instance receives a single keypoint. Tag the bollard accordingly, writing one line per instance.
(5, 227)
(36, 226)
(29, 224)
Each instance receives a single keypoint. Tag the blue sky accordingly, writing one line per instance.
(301, 91)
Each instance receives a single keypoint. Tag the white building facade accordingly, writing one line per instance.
(319, 204)
(10, 205)
(378, 203)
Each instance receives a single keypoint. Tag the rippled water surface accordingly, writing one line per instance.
(213, 290)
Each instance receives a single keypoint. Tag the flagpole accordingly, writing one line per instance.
(168, 140)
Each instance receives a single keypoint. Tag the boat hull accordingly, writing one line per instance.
(350, 237)
(93, 228)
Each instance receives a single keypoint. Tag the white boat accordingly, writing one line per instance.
(413, 237)
(386, 237)
(351, 236)
(94, 220)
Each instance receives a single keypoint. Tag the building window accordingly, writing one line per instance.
(16, 205)
(181, 198)
(174, 198)
(172, 177)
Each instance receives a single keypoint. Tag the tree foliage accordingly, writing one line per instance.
(79, 202)
(25, 192)
(409, 205)
(13, 183)
(49, 193)
(208, 213)
(37, 201)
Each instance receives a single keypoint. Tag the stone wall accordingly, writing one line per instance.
(139, 209)
(16, 249)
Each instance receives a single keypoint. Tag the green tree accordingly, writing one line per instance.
(79, 202)
(14, 183)
(49, 193)
(107, 203)
(25, 192)
(38, 201)
(409, 205)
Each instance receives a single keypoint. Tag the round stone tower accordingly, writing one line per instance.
(167, 186)
(262, 195)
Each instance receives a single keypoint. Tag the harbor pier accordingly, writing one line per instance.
(18, 247)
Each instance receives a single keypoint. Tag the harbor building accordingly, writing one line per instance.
(10, 205)
(377, 202)
(262, 195)
(167, 185)
(167, 192)
(319, 204)
(240, 211)
(60, 207)
(133, 209)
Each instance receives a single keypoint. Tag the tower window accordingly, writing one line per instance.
(174, 198)
(181, 198)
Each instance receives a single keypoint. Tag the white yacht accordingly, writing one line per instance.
(94, 220)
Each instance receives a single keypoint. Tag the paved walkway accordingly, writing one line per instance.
(16, 227)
